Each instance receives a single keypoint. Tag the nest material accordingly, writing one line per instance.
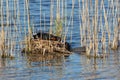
(46, 46)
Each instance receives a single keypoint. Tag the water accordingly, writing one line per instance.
(38, 67)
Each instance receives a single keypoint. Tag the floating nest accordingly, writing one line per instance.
(46, 47)
(47, 44)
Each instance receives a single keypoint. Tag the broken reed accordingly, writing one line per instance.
(51, 15)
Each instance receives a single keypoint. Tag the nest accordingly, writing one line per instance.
(44, 47)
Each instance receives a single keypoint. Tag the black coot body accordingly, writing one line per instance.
(47, 36)
(40, 35)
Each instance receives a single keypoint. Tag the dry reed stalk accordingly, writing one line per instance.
(63, 18)
(80, 24)
(40, 14)
(86, 21)
(115, 43)
(58, 12)
(106, 22)
(88, 29)
(18, 23)
(2, 35)
(103, 39)
(0, 9)
(44, 23)
(25, 24)
(66, 27)
(15, 22)
(12, 44)
(63, 9)
(89, 47)
(101, 24)
(89, 44)
(119, 30)
(40, 18)
(66, 21)
(58, 21)
(112, 7)
(51, 15)
(92, 27)
(7, 39)
(73, 4)
(2, 43)
(25, 17)
(28, 22)
(12, 50)
(83, 23)
(95, 28)
(7, 12)
(15, 26)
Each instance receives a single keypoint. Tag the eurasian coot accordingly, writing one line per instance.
(47, 36)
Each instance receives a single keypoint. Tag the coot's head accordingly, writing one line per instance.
(35, 36)
(41, 35)
(67, 46)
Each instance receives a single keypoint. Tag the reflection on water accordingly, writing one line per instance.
(45, 59)
(74, 67)
(57, 67)
(107, 68)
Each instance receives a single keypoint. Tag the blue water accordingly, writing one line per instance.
(74, 67)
